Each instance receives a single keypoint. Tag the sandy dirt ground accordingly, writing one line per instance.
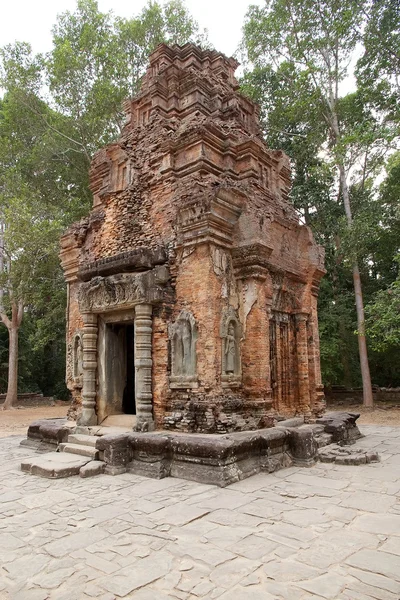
(15, 422)
(382, 414)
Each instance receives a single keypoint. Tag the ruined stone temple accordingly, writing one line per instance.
(192, 285)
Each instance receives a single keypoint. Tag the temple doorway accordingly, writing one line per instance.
(128, 399)
(116, 370)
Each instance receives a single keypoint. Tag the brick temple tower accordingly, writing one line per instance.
(192, 286)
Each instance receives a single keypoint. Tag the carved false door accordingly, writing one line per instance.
(282, 363)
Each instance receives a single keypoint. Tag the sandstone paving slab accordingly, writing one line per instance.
(290, 570)
(31, 518)
(376, 561)
(251, 484)
(313, 502)
(9, 496)
(150, 594)
(224, 537)
(335, 548)
(225, 499)
(340, 513)
(253, 547)
(101, 564)
(375, 580)
(282, 591)
(224, 517)
(203, 588)
(308, 479)
(369, 501)
(382, 472)
(146, 571)
(287, 530)
(230, 573)
(184, 515)
(33, 594)
(392, 546)
(53, 579)
(263, 509)
(305, 518)
(46, 498)
(356, 590)
(376, 523)
(23, 568)
(306, 490)
(329, 585)
(201, 552)
(199, 527)
(241, 593)
(144, 505)
(103, 513)
(74, 541)
(10, 542)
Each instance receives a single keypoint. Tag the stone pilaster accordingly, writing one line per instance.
(143, 367)
(302, 364)
(318, 403)
(89, 338)
(278, 349)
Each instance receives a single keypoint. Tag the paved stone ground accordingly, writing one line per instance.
(326, 532)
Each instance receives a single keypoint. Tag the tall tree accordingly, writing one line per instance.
(378, 69)
(310, 44)
(57, 110)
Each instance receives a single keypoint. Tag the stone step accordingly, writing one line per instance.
(81, 450)
(92, 468)
(82, 440)
(54, 465)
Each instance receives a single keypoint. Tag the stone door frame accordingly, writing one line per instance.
(141, 315)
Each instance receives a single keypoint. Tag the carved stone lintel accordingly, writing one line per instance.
(89, 339)
(143, 367)
(122, 291)
(252, 261)
(211, 220)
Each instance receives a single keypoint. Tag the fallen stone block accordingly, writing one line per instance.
(342, 426)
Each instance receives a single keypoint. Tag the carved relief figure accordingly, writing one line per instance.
(230, 350)
(78, 357)
(231, 333)
(183, 335)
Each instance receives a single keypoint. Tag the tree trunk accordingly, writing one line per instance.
(12, 325)
(12, 388)
(362, 342)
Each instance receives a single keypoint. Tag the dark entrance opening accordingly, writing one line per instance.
(128, 400)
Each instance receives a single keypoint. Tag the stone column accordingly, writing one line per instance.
(302, 364)
(89, 339)
(143, 367)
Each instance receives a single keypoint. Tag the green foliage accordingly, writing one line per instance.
(58, 110)
(378, 70)
(383, 318)
(298, 55)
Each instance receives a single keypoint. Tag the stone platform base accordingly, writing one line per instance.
(211, 458)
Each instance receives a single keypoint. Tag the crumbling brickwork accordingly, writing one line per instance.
(192, 239)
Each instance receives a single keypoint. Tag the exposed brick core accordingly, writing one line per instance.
(191, 216)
